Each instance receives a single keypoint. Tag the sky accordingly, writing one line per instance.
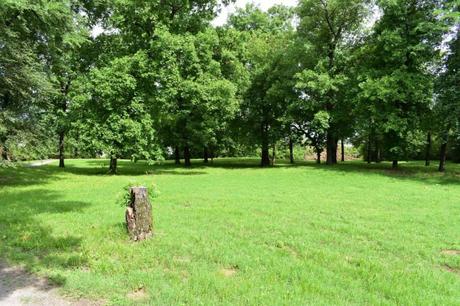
(226, 11)
(263, 4)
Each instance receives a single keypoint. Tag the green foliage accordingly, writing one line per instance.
(110, 105)
(447, 107)
(330, 31)
(397, 84)
(125, 198)
(193, 99)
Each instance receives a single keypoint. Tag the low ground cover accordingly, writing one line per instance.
(233, 233)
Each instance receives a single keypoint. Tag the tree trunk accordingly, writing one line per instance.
(274, 155)
(318, 156)
(428, 149)
(187, 156)
(369, 149)
(379, 155)
(212, 155)
(343, 150)
(443, 157)
(206, 155)
(265, 155)
(291, 151)
(113, 165)
(265, 162)
(331, 149)
(177, 155)
(378, 151)
(5, 154)
(64, 90)
(3, 149)
(395, 164)
(139, 214)
(61, 149)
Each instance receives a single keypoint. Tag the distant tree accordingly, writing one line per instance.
(265, 100)
(110, 105)
(448, 106)
(30, 31)
(194, 100)
(398, 85)
(328, 28)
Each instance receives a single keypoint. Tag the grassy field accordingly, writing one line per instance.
(235, 234)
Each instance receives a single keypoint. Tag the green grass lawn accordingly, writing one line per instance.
(235, 234)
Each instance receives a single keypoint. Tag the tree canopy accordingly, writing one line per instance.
(161, 81)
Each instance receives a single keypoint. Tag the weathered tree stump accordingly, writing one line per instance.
(139, 214)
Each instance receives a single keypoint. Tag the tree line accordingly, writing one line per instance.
(161, 81)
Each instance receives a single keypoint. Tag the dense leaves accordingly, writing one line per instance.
(157, 80)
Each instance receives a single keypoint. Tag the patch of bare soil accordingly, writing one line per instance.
(451, 269)
(17, 288)
(450, 252)
(40, 163)
(228, 272)
(138, 295)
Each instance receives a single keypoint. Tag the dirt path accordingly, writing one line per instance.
(40, 163)
(18, 287)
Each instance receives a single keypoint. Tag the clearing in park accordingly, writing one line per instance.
(233, 233)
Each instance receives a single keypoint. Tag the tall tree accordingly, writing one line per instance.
(111, 110)
(265, 100)
(398, 85)
(29, 32)
(328, 28)
(448, 106)
(194, 99)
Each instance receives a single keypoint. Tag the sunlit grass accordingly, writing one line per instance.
(233, 233)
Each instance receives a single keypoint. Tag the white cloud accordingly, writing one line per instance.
(263, 4)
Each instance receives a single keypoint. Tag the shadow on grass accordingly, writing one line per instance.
(129, 168)
(407, 171)
(23, 176)
(414, 171)
(27, 241)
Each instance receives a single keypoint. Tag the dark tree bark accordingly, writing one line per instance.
(331, 149)
(343, 150)
(265, 162)
(206, 155)
(211, 153)
(428, 149)
(187, 156)
(65, 91)
(318, 156)
(334, 151)
(265, 155)
(3, 149)
(443, 157)
(395, 164)
(61, 149)
(378, 152)
(369, 150)
(4, 154)
(291, 151)
(274, 155)
(177, 155)
(139, 215)
(113, 165)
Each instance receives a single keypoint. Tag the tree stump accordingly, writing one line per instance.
(139, 214)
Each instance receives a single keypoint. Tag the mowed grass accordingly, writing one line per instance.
(235, 234)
